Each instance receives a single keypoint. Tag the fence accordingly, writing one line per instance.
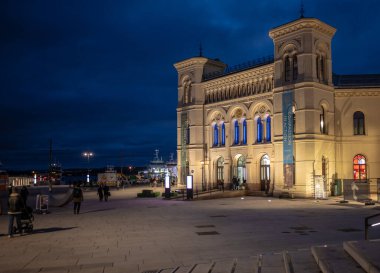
(358, 190)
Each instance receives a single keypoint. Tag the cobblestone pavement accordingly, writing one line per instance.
(132, 235)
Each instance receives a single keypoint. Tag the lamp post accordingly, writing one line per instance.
(88, 155)
(203, 186)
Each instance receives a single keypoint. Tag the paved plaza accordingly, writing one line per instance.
(128, 234)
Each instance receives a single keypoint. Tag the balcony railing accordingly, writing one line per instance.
(239, 67)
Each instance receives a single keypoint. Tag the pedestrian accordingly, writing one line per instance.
(24, 194)
(14, 211)
(106, 191)
(77, 198)
(100, 192)
(234, 183)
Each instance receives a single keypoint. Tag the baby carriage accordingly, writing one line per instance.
(27, 219)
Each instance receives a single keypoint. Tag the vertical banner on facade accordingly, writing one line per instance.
(287, 128)
(183, 146)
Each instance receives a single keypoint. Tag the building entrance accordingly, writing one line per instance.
(265, 173)
(241, 170)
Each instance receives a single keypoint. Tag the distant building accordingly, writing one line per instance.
(158, 168)
(282, 124)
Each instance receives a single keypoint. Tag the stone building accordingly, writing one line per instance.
(283, 123)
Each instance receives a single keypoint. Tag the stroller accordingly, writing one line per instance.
(27, 219)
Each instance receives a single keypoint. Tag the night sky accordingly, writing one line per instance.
(98, 75)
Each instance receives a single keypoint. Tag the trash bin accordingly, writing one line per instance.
(338, 187)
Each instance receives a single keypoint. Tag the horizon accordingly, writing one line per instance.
(99, 76)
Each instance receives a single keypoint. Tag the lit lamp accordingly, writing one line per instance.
(189, 187)
(167, 186)
(88, 155)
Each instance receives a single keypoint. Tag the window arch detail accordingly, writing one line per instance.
(244, 132)
(360, 167)
(236, 132)
(359, 125)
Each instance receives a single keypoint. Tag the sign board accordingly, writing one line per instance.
(355, 190)
(319, 187)
(189, 182)
(287, 129)
(167, 181)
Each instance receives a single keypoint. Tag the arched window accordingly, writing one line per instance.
(317, 66)
(236, 140)
(187, 91)
(268, 129)
(360, 167)
(216, 135)
(220, 169)
(259, 131)
(359, 128)
(241, 170)
(295, 68)
(244, 132)
(322, 121)
(223, 140)
(188, 134)
(287, 69)
(322, 68)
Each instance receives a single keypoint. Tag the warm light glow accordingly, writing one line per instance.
(189, 182)
(167, 181)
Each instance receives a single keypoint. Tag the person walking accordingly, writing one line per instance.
(77, 198)
(100, 192)
(24, 194)
(14, 211)
(106, 191)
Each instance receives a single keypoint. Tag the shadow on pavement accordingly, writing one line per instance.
(97, 210)
(51, 229)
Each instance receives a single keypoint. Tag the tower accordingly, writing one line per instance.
(303, 97)
(191, 150)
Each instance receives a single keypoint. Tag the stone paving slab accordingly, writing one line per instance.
(366, 253)
(141, 234)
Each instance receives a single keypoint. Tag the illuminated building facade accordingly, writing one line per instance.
(281, 124)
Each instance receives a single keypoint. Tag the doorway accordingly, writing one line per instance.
(265, 173)
(241, 170)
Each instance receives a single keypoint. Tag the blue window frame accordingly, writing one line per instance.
(236, 140)
(244, 132)
(268, 130)
(259, 131)
(216, 135)
(223, 140)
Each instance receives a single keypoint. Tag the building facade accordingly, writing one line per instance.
(281, 124)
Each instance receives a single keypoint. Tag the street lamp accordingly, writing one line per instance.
(203, 186)
(88, 155)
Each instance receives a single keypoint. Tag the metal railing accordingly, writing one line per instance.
(239, 67)
(367, 225)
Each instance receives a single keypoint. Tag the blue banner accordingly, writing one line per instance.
(287, 128)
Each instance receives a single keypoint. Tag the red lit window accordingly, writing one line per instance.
(360, 167)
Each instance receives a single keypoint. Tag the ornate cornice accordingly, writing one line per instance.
(190, 62)
(247, 100)
(303, 23)
(253, 74)
(357, 93)
(197, 61)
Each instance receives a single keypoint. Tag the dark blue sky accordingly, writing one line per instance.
(98, 75)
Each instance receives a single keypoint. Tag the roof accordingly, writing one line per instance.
(358, 80)
(239, 68)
